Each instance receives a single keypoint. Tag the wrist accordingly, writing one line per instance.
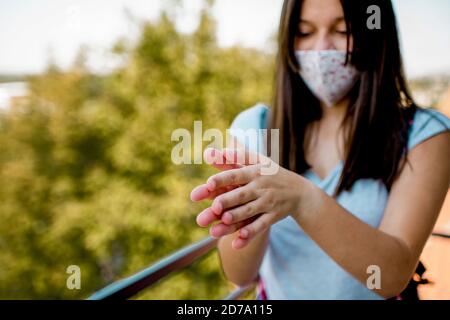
(308, 199)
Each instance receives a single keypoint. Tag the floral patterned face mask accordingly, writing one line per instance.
(326, 74)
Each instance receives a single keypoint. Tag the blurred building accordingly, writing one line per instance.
(436, 255)
(11, 93)
(444, 103)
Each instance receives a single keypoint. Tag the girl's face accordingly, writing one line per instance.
(322, 26)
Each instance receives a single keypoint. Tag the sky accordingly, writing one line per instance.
(33, 30)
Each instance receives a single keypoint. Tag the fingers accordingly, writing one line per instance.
(234, 177)
(226, 160)
(232, 158)
(206, 217)
(259, 225)
(234, 198)
(248, 228)
(199, 193)
(239, 168)
(220, 229)
(202, 192)
(239, 243)
(217, 159)
(244, 156)
(214, 194)
(248, 232)
(240, 156)
(243, 212)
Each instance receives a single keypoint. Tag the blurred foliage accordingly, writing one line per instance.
(86, 176)
(429, 91)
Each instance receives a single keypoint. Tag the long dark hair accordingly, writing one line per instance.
(381, 106)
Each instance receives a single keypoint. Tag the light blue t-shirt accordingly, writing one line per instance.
(294, 266)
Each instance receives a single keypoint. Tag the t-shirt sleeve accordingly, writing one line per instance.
(427, 124)
(247, 125)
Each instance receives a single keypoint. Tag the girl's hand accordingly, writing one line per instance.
(219, 160)
(256, 201)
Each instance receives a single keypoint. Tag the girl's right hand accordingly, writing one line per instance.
(217, 159)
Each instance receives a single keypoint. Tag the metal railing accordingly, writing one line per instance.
(128, 287)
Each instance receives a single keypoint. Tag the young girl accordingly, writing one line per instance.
(363, 175)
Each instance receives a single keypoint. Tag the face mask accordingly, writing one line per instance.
(326, 75)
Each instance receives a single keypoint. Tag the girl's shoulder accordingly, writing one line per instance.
(427, 123)
(247, 125)
(251, 118)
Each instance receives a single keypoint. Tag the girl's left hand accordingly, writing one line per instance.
(255, 201)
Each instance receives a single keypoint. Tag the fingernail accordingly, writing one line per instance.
(237, 244)
(227, 218)
(244, 233)
(217, 207)
(202, 220)
(211, 185)
(213, 232)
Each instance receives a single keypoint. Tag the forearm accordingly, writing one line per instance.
(241, 266)
(353, 244)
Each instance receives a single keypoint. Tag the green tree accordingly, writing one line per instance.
(86, 176)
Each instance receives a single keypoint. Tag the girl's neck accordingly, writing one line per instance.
(336, 112)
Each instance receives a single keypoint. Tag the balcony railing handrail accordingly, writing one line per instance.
(128, 287)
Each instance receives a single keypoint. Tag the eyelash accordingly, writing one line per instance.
(305, 35)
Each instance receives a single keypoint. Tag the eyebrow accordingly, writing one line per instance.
(339, 19)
